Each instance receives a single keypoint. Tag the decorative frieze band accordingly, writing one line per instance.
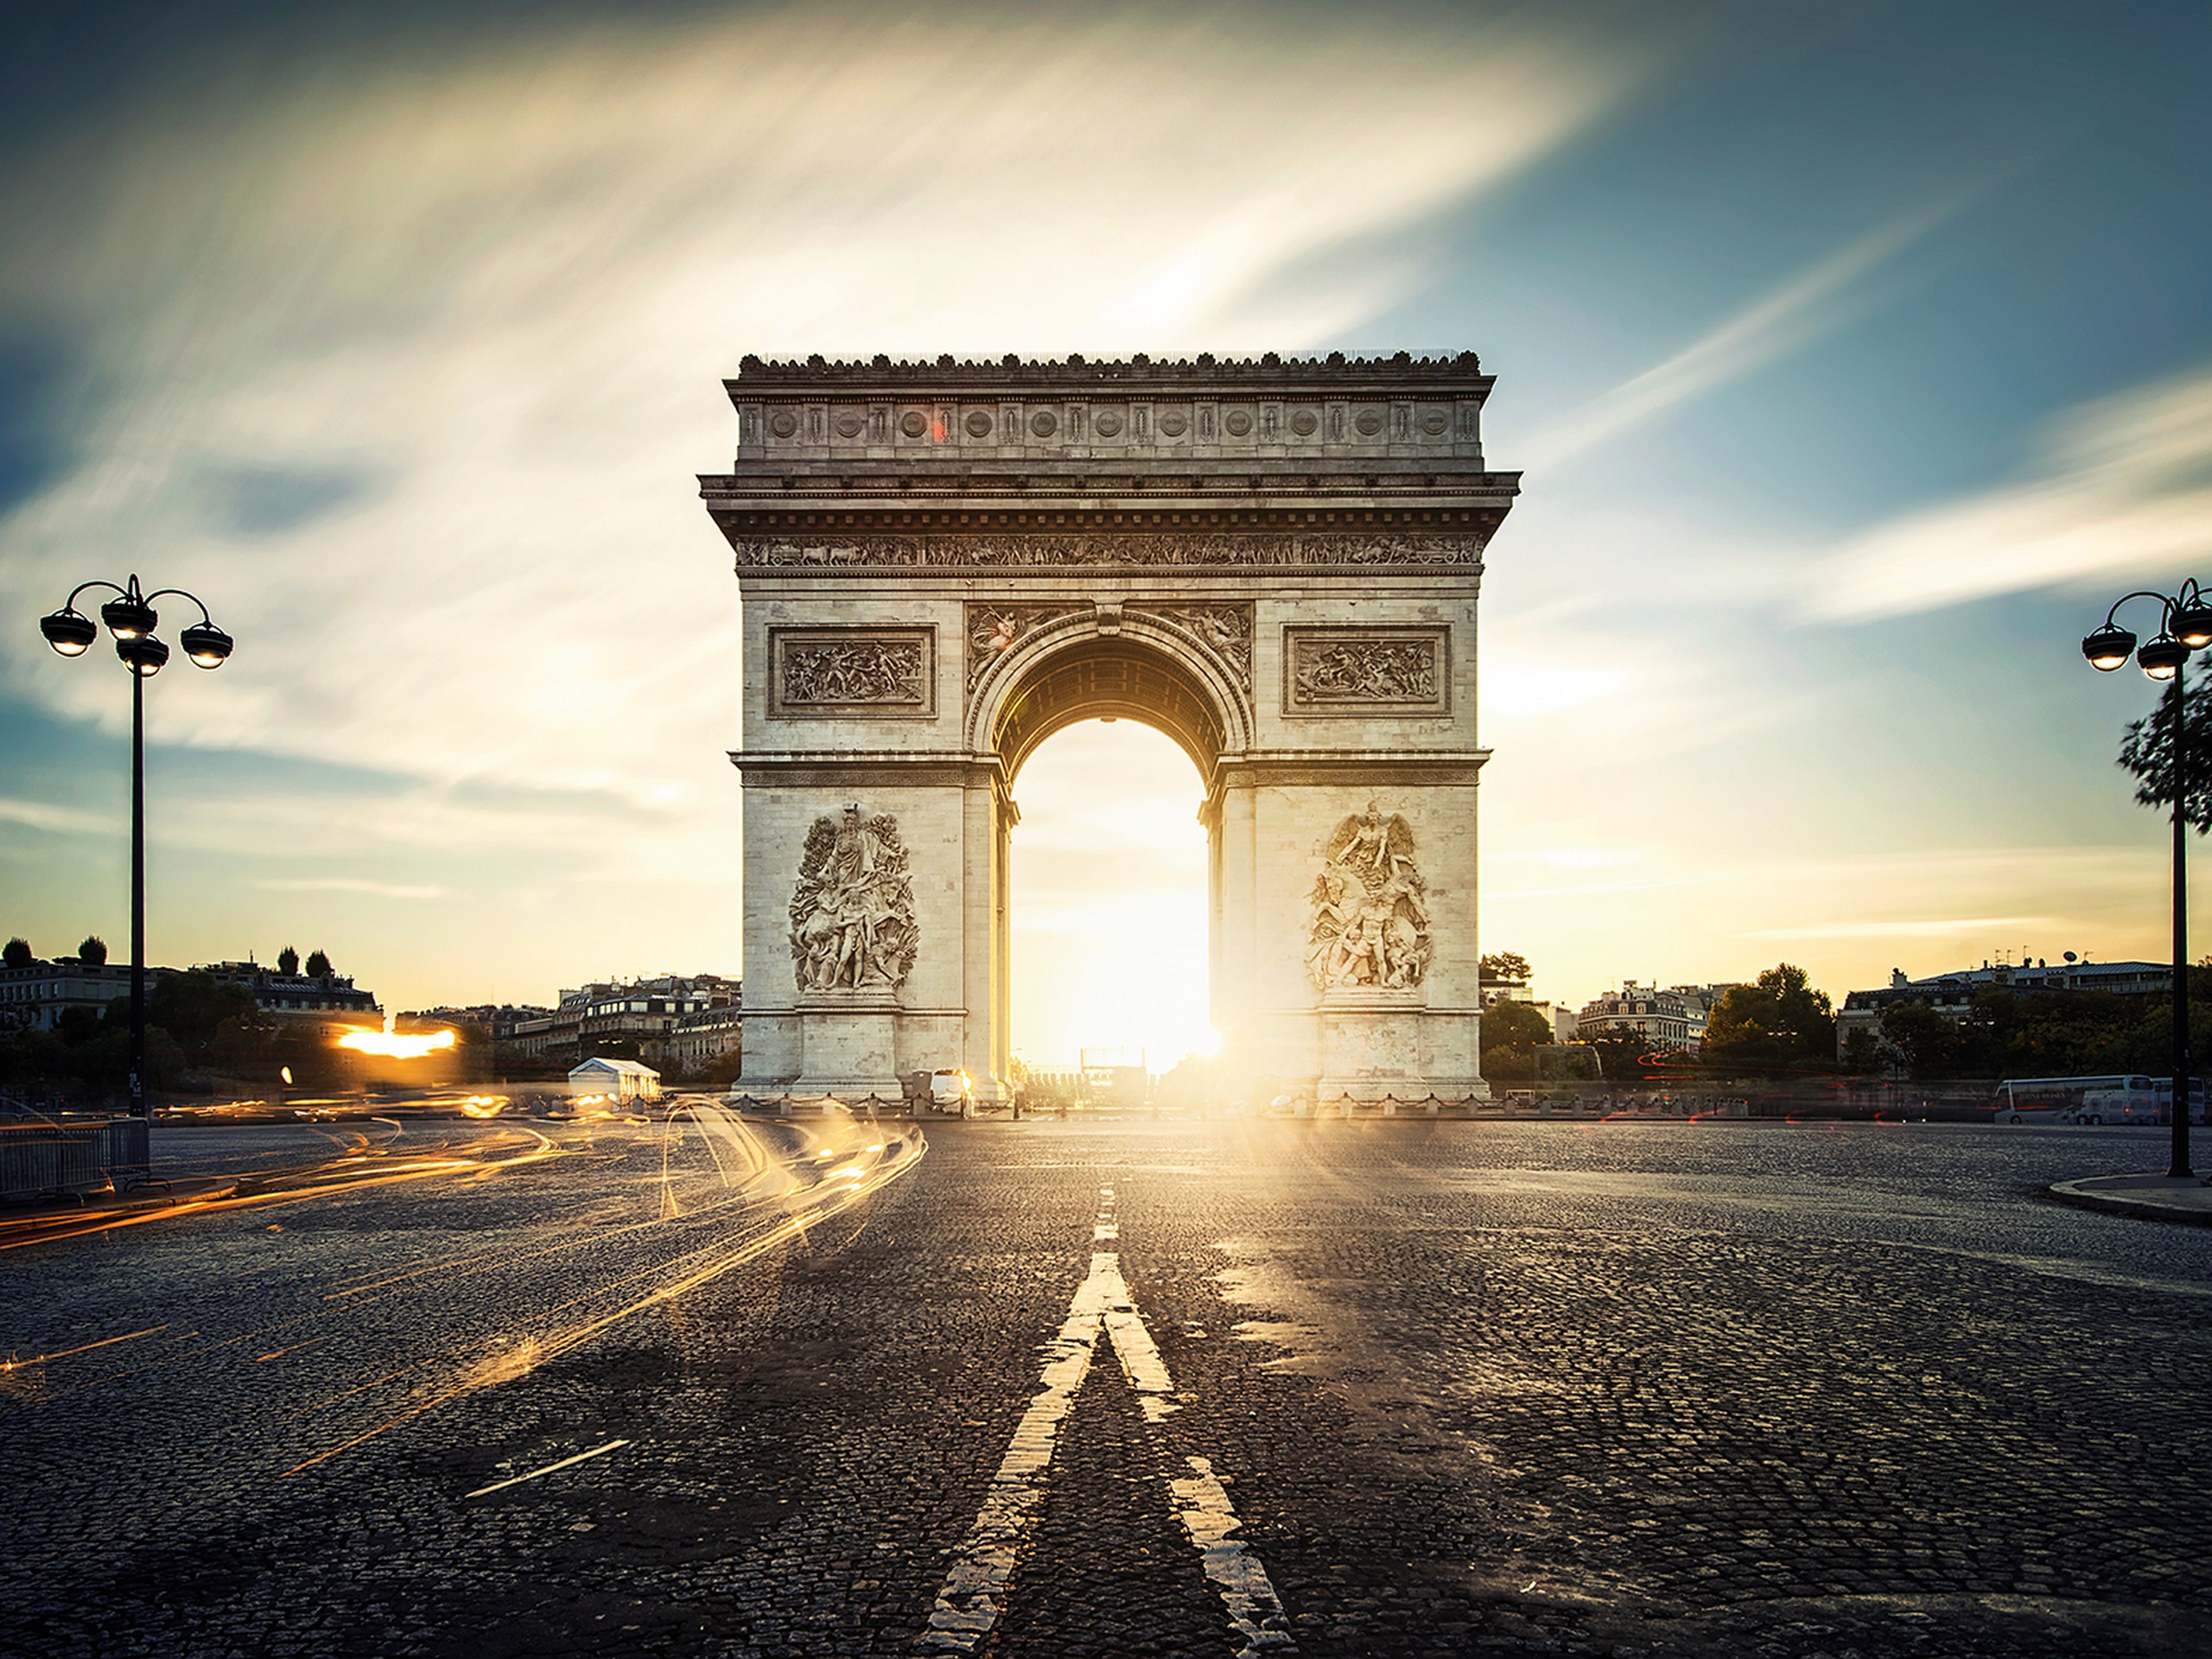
(1375, 670)
(955, 551)
(998, 427)
(853, 671)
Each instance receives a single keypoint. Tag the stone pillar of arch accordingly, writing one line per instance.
(1275, 563)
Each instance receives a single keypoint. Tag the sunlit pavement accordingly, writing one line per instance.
(1561, 1387)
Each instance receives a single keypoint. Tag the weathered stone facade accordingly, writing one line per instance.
(1275, 563)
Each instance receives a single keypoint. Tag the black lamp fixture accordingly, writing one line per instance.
(2184, 625)
(131, 618)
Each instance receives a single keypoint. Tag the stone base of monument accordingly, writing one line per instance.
(1371, 1044)
(1371, 1053)
(847, 1046)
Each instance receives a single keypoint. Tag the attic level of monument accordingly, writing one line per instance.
(1420, 414)
(1281, 463)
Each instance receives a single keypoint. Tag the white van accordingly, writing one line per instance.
(952, 1091)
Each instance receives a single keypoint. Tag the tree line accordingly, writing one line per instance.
(1782, 1024)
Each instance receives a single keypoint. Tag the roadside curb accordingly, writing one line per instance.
(2104, 1193)
(191, 1189)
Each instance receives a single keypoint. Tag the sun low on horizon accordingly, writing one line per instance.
(1109, 899)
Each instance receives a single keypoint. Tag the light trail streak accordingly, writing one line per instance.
(12, 1363)
(324, 1180)
(494, 1368)
(467, 1266)
(581, 1457)
(592, 1238)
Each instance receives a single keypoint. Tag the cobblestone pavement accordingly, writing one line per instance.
(1627, 1389)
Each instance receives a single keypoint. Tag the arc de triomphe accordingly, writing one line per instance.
(1275, 562)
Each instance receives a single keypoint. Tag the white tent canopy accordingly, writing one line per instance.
(617, 1079)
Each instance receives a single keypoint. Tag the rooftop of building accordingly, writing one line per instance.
(2037, 976)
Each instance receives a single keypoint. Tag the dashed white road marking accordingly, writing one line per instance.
(581, 1457)
(975, 1590)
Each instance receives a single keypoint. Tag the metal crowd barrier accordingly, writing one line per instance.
(48, 1159)
(128, 1152)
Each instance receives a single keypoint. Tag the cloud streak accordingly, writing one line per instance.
(351, 884)
(1816, 301)
(2123, 484)
(57, 820)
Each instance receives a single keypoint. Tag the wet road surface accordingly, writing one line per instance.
(1340, 1389)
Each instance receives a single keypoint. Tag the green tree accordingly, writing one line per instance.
(2147, 751)
(1512, 1032)
(192, 1006)
(1620, 1049)
(93, 951)
(1926, 1041)
(288, 961)
(1862, 1049)
(17, 953)
(1503, 965)
(1780, 1022)
(318, 965)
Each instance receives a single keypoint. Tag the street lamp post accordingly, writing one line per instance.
(130, 617)
(2184, 625)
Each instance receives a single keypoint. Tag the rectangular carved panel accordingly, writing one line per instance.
(1373, 670)
(866, 672)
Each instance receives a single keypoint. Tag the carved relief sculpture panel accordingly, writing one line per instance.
(1368, 924)
(853, 671)
(852, 912)
(1367, 671)
(1226, 628)
(992, 630)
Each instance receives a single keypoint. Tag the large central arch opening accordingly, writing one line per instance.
(1108, 906)
(1108, 679)
(1111, 736)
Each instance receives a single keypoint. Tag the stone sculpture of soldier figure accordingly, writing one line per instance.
(852, 912)
(1369, 925)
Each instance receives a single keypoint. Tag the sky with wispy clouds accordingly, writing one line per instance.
(1857, 355)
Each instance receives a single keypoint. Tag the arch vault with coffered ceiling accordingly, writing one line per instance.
(1275, 563)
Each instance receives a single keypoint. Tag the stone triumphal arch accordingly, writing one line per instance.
(1275, 562)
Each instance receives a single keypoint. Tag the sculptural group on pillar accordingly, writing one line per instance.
(1369, 925)
(853, 911)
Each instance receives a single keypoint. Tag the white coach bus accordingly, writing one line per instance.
(2094, 1099)
(2083, 1100)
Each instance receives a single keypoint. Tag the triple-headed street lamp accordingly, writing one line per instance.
(130, 617)
(2185, 627)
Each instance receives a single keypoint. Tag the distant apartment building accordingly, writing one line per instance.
(497, 1020)
(645, 1012)
(36, 997)
(33, 998)
(1952, 995)
(281, 993)
(704, 1036)
(1668, 1016)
